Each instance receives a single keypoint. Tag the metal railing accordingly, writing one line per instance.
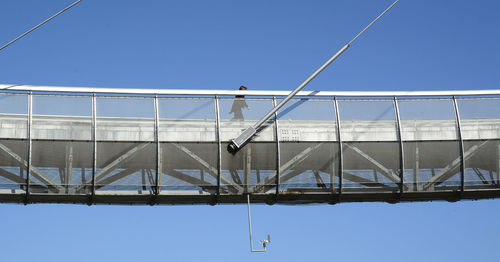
(274, 182)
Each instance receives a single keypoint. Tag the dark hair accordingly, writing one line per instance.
(243, 88)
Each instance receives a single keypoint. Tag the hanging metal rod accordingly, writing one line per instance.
(37, 26)
(263, 242)
(237, 143)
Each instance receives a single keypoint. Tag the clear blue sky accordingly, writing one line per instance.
(267, 45)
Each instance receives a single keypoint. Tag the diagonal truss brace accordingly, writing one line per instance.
(189, 179)
(213, 171)
(114, 164)
(287, 166)
(364, 181)
(15, 178)
(378, 166)
(108, 180)
(34, 171)
(480, 175)
(447, 171)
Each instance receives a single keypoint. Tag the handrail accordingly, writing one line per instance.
(270, 93)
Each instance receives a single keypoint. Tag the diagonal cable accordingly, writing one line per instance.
(37, 26)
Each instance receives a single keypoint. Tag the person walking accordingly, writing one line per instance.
(238, 104)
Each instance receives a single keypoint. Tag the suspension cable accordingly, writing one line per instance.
(37, 26)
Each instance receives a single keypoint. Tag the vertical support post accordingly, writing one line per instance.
(491, 177)
(21, 173)
(462, 159)
(417, 167)
(498, 163)
(69, 166)
(158, 151)
(247, 168)
(28, 164)
(143, 180)
(333, 167)
(94, 147)
(278, 153)
(401, 149)
(339, 139)
(219, 156)
(62, 176)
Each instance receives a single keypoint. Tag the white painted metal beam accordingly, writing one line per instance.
(202, 92)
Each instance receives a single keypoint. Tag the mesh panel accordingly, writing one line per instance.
(481, 164)
(370, 147)
(235, 117)
(126, 166)
(190, 167)
(125, 119)
(189, 147)
(250, 169)
(480, 125)
(13, 155)
(431, 148)
(309, 155)
(62, 118)
(367, 120)
(126, 152)
(126, 148)
(14, 104)
(61, 146)
(13, 141)
(428, 119)
(190, 120)
(308, 166)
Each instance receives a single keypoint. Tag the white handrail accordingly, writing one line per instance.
(207, 92)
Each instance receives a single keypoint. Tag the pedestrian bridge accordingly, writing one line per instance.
(148, 146)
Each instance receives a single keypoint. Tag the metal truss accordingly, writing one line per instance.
(310, 174)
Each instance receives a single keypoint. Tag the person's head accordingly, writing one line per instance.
(243, 88)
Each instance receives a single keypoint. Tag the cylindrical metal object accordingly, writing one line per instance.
(294, 92)
(339, 138)
(244, 137)
(278, 159)
(219, 149)
(94, 147)
(158, 148)
(401, 149)
(461, 144)
(30, 145)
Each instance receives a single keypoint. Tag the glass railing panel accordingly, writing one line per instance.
(480, 125)
(126, 148)
(370, 146)
(188, 140)
(13, 141)
(431, 146)
(61, 144)
(253, 167)
(307, 133)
